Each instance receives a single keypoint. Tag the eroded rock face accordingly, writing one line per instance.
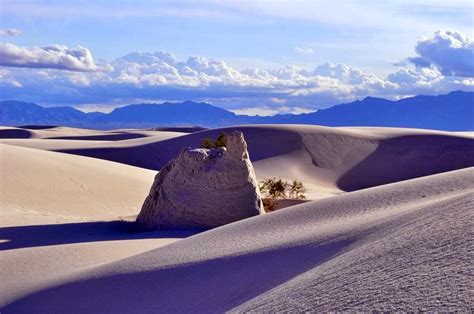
(203, 188)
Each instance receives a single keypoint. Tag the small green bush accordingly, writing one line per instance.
(273, 189)
(221, 140)
(209, 143)
(297, 190)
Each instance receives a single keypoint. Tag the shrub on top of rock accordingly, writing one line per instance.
(209, 143)
(204, 188)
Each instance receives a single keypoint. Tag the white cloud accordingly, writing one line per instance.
(10, 32)
(50, 57)
(306, 51)
(6, 81)
(256, 111)
(451, 52)
(161, 75)
(104, 108)
(270, 111)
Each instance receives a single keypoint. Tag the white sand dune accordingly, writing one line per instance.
(59, 213)
(84, 143)
(59, 132)
(403, 246)
(64, 244)
(328, 160)
(62, 185)
(65, 138)
(39, 254)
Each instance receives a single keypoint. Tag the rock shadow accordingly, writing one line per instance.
(55, 234)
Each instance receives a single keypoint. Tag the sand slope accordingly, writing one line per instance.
(70, 133)
(58, 184)
(328, 160)
(61, 213)
(403, 246)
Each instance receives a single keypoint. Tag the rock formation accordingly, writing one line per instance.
(203, 188)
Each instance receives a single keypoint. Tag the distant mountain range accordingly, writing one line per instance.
(453, 112)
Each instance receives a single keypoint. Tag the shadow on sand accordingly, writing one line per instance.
(210, 286)
(260, 145)
(15, 133)
(38, 127)
(409, 157)
(55, 234)
(101, 137)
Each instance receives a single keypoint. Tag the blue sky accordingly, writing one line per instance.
(249, 56)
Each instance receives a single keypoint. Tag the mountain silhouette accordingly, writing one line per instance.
(452, 112)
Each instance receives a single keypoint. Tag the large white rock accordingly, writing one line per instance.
(203, 188)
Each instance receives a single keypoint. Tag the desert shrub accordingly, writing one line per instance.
(297, 190)
(209, 143)
(221, 140)
(265, 185)
(277, 189)
(274, 188)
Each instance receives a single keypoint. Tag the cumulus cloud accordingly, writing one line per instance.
(6, 81)
(50, 57)
(304, 51)
(162, 76)
(450, 52)
(270, 111)
(10, 32)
